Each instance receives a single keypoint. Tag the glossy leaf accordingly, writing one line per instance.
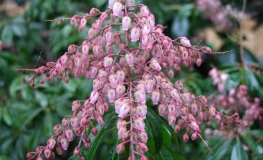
(252, 145)
(238, 153)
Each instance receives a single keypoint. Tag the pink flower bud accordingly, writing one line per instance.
(111, 3)
(121, 123)
(109, 38)
(92, 33)
(117, 9)
(194, 136)
(57, 129)
(194, 108)
(155, 65)
(174, 94)
(186, 97)
(141, 110)
(185, 137)
(143, 136)
(155, 96)
(172, 109)
(121, 132)
(149, 84)
(126, 21)
(82, 24)
(100, 120)
(120, 75)
(194, 126)
(199, 61)
(179, 85)
(140, 96)
(120, 89)
(171, 119)
(94, 96)
(69, 134)
(51, 143)
(107, 61)
(113, 78)
(184, 41)
(139, 124)
(75, 105)
(203, 99)
(129, 59)
(130, 3)
(207, 50)
(162, 109)
(212, 110)
(47, 153)
(120, 148)
(144, 10)
(59, 150)
(145, 30)
(135, 34)
(64, 143)
(85, 49)
(111, 95)
(73, 20)
(93, 71)
(143, 147)
(124, 110)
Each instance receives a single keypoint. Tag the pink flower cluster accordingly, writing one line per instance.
(127, 62)
(216, 12)
(219, 79)
(237, 100)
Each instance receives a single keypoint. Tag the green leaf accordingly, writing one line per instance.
(251, 81)
(7, 35)
(233, 80)
(28, 116)
(257, 133)
(166, 125)
(167, 139)
(154, 131)
(164, 154)
(101, 134)
(252, 145)
(223, 150)
(238, 153)
(8, 118)
(113, 155)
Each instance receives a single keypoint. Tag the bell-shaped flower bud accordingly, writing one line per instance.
(92, 33)
(120, 75)
(109, 38)
(124, 110)
(94, 96)
(82, 24)
(185, 137)
(117, 9)
(120, 89)
(140, 96)
(51, 143)
(171, 119)
(57, 129)
(199, 61)
(144, 10)
(155, 65)
(141, 110)
(126, 22)
(47, 153)
(184, 41)
(194, 136)
(175, 94)
(139, 124)
(129, 59)
(64, 143)
(149, 84)
(113, 78)
(107, 61)
(194, 126)
(69, 134)
(179, 85)
(111, 95)
(145, 30)
(143, 136)
(120, 148)
(135, 34)
(155, 96)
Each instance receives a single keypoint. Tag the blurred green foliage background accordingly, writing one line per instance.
(27, 115)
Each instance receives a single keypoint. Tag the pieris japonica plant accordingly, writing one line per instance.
(128, 58)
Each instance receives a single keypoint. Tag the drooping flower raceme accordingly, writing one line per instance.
(127, 61)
